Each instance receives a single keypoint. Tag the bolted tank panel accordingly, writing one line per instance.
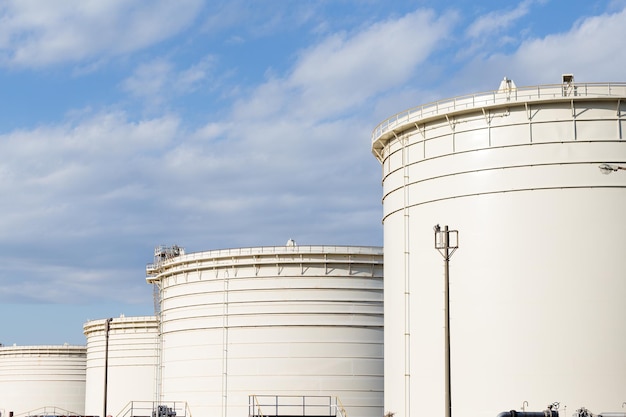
(537, 285)
(131, 364)
(42, 380)
(301, 321)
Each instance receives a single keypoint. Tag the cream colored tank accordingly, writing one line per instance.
(244, 326)
(42, 380)
(131, 366)
(538, 284)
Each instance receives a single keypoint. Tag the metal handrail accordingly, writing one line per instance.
(340, 408)
(280, 403)
(143, 408)
(152, 268)
(484, 99)
(258, 406)
(48, 411)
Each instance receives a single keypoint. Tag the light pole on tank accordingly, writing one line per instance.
(107, 326)
(447, 242)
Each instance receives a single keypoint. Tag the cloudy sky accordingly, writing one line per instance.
(126, 124)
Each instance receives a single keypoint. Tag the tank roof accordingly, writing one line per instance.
(42, 349)
(508, 94)
(256, 254)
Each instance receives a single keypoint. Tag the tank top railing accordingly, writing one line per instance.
(484, 99)
(227, 255)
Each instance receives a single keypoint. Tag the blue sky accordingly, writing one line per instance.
(129, 124)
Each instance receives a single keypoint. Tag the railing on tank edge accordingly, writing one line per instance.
(264, 250)
(149, 408)
(518, 94)
(43, 350)
(294, 405)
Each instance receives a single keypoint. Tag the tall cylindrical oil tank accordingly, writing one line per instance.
(129, 358)
(42, 380)
(292, 330)
(537, 288)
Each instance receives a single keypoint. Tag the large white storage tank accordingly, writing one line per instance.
(130, 357)
(538, 285)
(42, 380)
(292, 330)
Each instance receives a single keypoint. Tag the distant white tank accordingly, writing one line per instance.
(131, 360)
(42, 380)
(537, 285)
(273, 330)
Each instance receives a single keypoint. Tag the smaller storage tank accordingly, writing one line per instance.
(131, 362)
(42, 380)
(287, 330)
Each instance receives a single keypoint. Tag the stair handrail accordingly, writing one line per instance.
(255, 400)
(342, 411)
(45, 410)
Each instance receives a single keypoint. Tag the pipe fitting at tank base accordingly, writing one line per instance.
(551, 411)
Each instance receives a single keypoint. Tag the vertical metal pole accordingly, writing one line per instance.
(446, 236)
(106, 363)
(446, 248)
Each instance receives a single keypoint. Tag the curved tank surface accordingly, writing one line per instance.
(537, 295)
(272, 330)
(42, 380)
(130, 356)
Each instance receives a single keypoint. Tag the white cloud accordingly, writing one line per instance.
(75, 193)
(344, 70)
(496, 21)
(256, 19)
(35, 33)
(616, 5)
(588, 50)
(159, 80)
(494, 30)
(149, 80)
(189, 79)
(52, 283)
(55, 172)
